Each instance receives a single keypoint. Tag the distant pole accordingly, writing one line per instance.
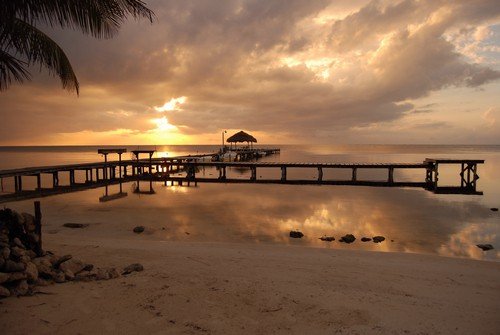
(225, 131)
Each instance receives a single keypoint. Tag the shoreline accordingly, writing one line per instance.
(223, 287)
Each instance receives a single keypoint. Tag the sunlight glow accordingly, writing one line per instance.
(173, 104)
(162, 124)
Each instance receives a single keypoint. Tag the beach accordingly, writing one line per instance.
(232, 288)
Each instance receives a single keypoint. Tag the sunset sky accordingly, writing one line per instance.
(294, 71)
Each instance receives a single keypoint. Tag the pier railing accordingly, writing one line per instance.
(184, 170)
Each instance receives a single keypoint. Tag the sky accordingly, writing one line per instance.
(294, 71)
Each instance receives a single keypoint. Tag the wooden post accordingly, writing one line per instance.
(254, 173)
(38, 182)
(38, 228)
(283, 173)
(354, 174)
(120, 165)
(104, 170)
(320, 173)
(391, 175)
(16, 184)
(71, 177)
(55, 179)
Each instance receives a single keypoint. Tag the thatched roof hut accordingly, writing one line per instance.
(241, 136)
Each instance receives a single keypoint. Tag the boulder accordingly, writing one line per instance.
(139, 229)
(132, 268)
(485, 247)
(17, 276)
(29, 222)
(69, 275)
(365, 239)
(494, 209)
(296, 234)
(31, 272)
(4, 293)
(378, 239)
(327, 238)
(11, 266)
(349, 238)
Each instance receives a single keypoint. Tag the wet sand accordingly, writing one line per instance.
(225, 288)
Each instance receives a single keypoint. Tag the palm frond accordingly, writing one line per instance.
(38, 48)
(11, 70)
(99, 18)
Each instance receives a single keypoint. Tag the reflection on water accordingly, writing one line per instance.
(416, 220)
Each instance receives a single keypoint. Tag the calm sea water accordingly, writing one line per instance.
(412, 219)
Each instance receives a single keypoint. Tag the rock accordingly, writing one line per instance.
(139, 229)
(69, 275)
(494, 209)
(17, 276)
(485, 247)
(4, 293)
(327, 238)
(17, 242)
(22, 288)
(29, 222)
(76, 225)
(61, 260)
(378, 239)
(365, 239)
(296, 234)
(86, 276)
(44, 267)
(5, 253)
(349, 238)
(133, 267)
(44, 282)
(17, 252)
(11, 266)
(59, 276)
(31, 272)
(4, 245)
(31, 253)
(73, 265)
(4, 277)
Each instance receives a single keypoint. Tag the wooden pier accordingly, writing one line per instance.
(185, 169)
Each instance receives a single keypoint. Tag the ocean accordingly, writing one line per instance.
(412, 220)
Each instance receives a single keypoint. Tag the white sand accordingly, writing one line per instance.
(207, 288)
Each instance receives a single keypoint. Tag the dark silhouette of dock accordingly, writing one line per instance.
(185, 170)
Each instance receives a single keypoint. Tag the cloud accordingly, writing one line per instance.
(306, 70)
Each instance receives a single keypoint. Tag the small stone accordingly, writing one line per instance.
(22, 288)
(31, 253)
(365, 239)
(61, 260)
(378, 239)
(11, 266)
(75, 225)
(296, 234)
(139, 229)
(327, 238)
(86, 276)
(349, 238)
(18, 243)
(4, 293)
(485, 247)
(131, 268)
(31, 272)
(494, 209)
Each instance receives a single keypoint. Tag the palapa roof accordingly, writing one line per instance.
(241, 137)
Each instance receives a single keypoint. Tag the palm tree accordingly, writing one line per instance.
(22, 44)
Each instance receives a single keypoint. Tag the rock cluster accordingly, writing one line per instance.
(24, 265)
